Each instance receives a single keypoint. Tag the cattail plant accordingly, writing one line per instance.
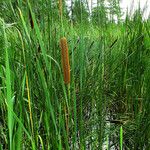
(66, 73)
(65, 60)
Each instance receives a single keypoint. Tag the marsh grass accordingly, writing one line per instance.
(107, 100)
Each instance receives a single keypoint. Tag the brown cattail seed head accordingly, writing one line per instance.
(65, 59)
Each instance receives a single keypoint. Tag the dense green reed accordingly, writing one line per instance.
(105, 106)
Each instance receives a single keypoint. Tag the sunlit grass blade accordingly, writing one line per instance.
(9, 98)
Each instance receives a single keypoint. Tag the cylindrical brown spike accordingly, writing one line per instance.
(65, 59)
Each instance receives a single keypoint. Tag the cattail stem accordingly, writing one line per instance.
(60, 8)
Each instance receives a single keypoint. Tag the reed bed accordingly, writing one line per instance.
(81, 82)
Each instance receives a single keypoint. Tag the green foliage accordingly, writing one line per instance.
(99, 15)
(107, 100)
(80, 12)
(114, 10)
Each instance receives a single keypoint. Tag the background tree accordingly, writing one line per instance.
(114, 10)
(99, 13)
(80, 12)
